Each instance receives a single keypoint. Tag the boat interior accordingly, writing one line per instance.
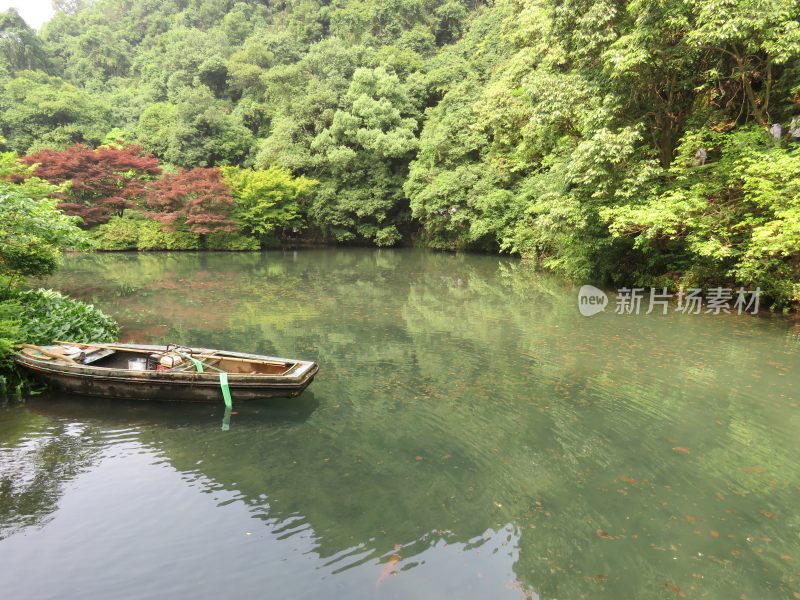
(109, 358)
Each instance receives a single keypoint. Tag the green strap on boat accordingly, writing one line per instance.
(223, 382)
(226, 391)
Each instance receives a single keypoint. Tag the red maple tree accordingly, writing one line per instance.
(197, 198)
(103, 182)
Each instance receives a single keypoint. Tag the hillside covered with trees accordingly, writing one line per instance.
(622, 142)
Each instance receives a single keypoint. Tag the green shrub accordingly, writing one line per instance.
(153, 236)
(232, 241)
(132, 232)
(120, 233)
(182, 240)
(268, 201)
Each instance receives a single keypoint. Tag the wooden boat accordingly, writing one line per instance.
(153, 372)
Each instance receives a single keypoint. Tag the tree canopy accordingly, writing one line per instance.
(32, 229)
(101, 183)
(566, 132)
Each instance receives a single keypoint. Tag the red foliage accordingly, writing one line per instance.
(198, 198)
(104, 181)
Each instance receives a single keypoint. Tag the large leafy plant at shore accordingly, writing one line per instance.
(46, 315)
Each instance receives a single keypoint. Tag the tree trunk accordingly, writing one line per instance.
(755, 105)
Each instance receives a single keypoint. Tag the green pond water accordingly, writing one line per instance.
(469, 435)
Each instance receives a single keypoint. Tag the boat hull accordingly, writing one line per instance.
(164, 385)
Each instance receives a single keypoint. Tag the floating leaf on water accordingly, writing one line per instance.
(680, 450)
(755, 469)
(605, 535)
(675, 589)
(690, 519)
(627, 479)
(714, 533)
(767, 513)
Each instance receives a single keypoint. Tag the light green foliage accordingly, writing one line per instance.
(567, 142)
(753, 42)
(738, 216)
(32, 234)
(9, 334)
(132, 232)
(268, 201)
(184, 58)
(155, 128)
(120, 233)
(115, 138)
(153, 236)
(247, 67)
(306, 95)
(447, 183)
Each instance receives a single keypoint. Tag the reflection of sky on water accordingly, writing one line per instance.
(183, 543)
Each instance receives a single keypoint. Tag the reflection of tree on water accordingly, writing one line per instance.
(34, 469)
(461, 394)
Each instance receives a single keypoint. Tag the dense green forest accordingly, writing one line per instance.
(623, 142)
